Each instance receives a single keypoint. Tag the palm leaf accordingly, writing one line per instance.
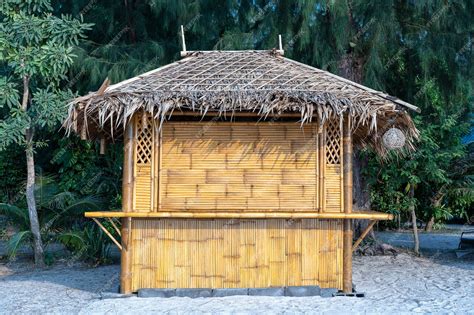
(88, 203)
(73, 240)
(18, 216)
(16, 241)
(59, 200)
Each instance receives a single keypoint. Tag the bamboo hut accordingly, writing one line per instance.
(237, 169)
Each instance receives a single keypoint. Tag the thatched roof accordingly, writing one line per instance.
(227, 82)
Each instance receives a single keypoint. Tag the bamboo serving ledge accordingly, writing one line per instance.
(365, 215)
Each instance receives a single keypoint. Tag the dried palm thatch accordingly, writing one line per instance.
(229, 82)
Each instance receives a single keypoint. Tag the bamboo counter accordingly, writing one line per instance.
(365, 215)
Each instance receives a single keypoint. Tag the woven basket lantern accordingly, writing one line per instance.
(394, 138)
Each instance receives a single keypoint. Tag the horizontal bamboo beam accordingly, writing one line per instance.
(234, 114)
(363, 235)
(366, 215)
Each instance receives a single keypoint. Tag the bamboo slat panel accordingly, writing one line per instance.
(143, 188)
(229, 166)
(182, 253)
(333, 188)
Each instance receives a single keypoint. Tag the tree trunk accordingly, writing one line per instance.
(416, 247)
(30, 199)
(350, 67)
(361, 187)
(429, 224)
(360, 192)
(435, 203)
(30, 184)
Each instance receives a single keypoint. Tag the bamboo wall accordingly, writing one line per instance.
(187, 253)
(238, 166)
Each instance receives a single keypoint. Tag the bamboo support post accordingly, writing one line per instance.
(160, 159)
(280, 46)
(347, 171)
(127, 206)
(84, 132)
(103, 145)
(183, 43)
(363, 235)
(108, 233)
(322, 166)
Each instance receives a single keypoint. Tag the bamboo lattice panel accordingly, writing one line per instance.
(239, 166)
(333, 178)
(144, 159)
(173, 253)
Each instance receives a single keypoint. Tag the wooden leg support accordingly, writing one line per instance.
(363, 235)
(108, 233)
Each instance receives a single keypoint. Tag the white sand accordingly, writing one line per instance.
(404, 284)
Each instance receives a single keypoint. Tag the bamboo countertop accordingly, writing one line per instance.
(362, 215)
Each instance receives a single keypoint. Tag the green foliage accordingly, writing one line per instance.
(11, 174)
(36, 51)
(88, 243)
(58, 210)
(82, 170)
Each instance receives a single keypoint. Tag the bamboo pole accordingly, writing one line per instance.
(347, 170)
(366, 215)
(235, 114)
(363, 235)
(108, 233)
(322, 164)
(115, 226)
(160, 175)
(153, 174)
(103, 145)
(127, 206)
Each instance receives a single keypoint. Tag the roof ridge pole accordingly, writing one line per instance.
(183, 52)
(280, 46)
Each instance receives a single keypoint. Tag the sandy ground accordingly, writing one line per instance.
(445, 240)
(403, 284)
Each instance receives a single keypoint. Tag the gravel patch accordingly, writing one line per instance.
(58, 290)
